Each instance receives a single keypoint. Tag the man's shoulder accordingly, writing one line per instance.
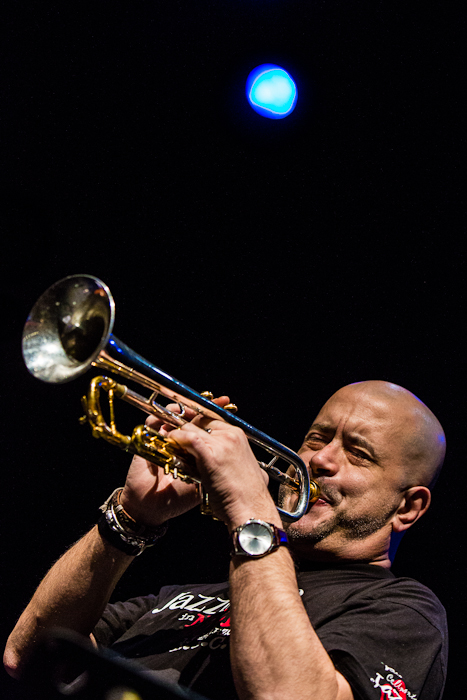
(410, 593)
(364, 585)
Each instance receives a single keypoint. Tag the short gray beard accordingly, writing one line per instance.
(352, 528)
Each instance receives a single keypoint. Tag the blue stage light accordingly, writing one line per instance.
(271, 91)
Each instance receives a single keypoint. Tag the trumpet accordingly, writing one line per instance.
(69, 330)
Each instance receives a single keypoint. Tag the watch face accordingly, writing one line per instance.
(255, 538)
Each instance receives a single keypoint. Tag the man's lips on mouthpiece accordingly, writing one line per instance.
(324, 498)
(326, 495)
(321, 502)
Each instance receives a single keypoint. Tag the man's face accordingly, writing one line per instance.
(354, 451)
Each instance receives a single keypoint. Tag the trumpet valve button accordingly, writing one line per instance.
(207, 395)
(231, 407)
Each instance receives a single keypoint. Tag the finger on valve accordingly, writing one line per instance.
(188, 413)
(157, 422)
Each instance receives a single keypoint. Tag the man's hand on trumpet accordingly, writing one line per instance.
(227, 468)
(152, 497)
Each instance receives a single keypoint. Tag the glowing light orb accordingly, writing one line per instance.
(271, 91)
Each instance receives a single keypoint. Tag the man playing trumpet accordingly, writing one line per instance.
(313, 613)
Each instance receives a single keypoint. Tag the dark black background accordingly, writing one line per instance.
(271, 260)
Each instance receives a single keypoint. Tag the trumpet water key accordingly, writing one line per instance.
(69, 330)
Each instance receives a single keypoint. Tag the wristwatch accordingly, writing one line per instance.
(256, 538)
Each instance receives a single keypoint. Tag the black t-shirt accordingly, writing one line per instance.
(386, 635)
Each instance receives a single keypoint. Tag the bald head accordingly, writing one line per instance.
(423, 443)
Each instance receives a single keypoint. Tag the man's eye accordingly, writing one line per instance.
(313, 439)
(360, 455)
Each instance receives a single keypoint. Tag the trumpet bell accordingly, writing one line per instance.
(67, 328)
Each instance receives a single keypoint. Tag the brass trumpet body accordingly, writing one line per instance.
(69, 330)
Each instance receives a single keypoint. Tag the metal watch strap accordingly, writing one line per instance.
(122, 531)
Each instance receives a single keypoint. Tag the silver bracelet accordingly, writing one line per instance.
(122, 531)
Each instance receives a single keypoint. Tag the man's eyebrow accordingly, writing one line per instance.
(323, 427)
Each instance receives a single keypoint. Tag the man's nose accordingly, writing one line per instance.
(326, 460)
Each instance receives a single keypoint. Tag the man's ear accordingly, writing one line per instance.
(414, 504)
